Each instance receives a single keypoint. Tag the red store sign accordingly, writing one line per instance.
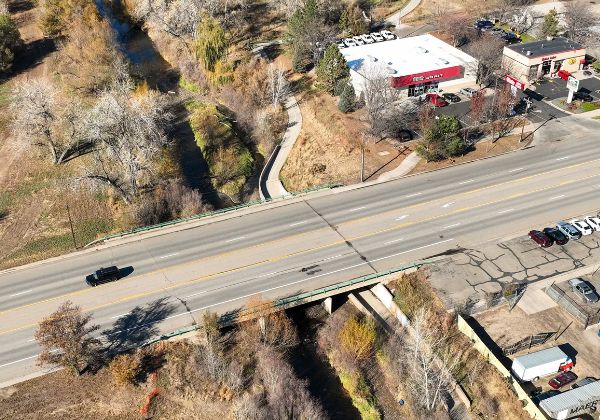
(514, 82)
(428, 76)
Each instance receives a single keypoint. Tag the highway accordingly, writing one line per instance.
(280, 249)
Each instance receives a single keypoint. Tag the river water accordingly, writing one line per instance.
(146, 62)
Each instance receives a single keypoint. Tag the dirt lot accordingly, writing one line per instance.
(506, 327)
(328, 149)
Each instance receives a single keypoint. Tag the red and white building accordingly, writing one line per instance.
(416, 65)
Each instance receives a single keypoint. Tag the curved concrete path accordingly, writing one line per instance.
(394, 18)
(270, 185)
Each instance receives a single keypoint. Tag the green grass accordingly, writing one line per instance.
(524, 37)
(187, 85)
(361, 395)
(589, 106)
(88, 230)
(597, 117)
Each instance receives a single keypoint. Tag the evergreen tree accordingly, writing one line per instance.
(550, 24)
(442, 140)
(331, 68)
(10, 41)
(347, 100)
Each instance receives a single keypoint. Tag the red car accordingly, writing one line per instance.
(562, 380)
(436, 99)
(540, 238)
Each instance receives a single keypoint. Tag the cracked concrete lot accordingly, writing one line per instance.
(472, 272)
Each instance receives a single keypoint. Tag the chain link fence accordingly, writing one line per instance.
(573, 307)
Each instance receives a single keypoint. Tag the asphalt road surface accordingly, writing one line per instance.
(298, 246)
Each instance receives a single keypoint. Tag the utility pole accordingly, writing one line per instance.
(362, 159)
(71, 224)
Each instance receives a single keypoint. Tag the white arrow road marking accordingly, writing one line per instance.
(448, 204)
(404, 216)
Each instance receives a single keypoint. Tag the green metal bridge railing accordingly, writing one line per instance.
(211, 213)
(290, 301)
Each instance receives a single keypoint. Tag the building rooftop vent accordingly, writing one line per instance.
(528, 53)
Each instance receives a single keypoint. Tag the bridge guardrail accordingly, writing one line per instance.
(230, 318)
(211, 213)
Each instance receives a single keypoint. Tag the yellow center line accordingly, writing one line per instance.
(285, 256)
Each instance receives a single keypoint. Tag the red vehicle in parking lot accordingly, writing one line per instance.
(562, 380)
(436, 99)
(540, 238)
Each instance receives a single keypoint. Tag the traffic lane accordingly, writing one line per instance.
(186, 245)
(148, 256)
(424, 188)
(500, 219)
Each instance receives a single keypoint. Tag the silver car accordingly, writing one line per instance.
(388, 35)
(350, 42)
(569, 230)
(584, 290)
(377, 37)
(358, 40)
(367, 38)
(468, 92)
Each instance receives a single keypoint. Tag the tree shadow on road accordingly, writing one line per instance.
(136, 327)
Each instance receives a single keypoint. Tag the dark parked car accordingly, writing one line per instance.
(451, 97)
(103, 275)
(483, 24)
(544, 395)
(583, 97)
(557, 236)
(405, 135)
(540, 238)
(561, 380)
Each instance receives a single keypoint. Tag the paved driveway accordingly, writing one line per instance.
(557, 88)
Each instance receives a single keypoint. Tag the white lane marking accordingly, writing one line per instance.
(393, 242)
(239, 238)
(303, 280)
(18, 361)
(299, 223)
(448, 204)
(332, 258)
(119, 316)
(404, 216)
(31, 340)
(562, 158)
(197, 293)
(514, 170)
(357, 209)
(468, 181)
(556, 197)
(273, 288)
(505, 211)
(169, 255)
(451, 226)
(21, 293)
(412, 195)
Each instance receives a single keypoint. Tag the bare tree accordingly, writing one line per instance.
(458, 25)
(279, 88)
(127, 131)
(286, 395)
(265, 326)
(488, 52)
(579, 21)
(426, 358)
(66, 338)
(386, 114)
(42, 117)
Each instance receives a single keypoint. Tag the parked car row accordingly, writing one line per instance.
(366, 39)
(485, 25)
(566, 231)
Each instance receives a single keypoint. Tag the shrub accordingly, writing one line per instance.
(10, 42)
(124, 369)
(357, 338)
(589, 106)
(347, 100)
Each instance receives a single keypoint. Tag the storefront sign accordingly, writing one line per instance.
(573, 84)
(548, 58)
(428, 76)
(514, 82)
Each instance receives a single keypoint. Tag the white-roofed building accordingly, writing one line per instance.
(416, 65)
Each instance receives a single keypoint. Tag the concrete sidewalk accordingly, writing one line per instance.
(272, 186)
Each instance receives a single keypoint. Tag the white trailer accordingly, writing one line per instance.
(577, 401)
(541, 363)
